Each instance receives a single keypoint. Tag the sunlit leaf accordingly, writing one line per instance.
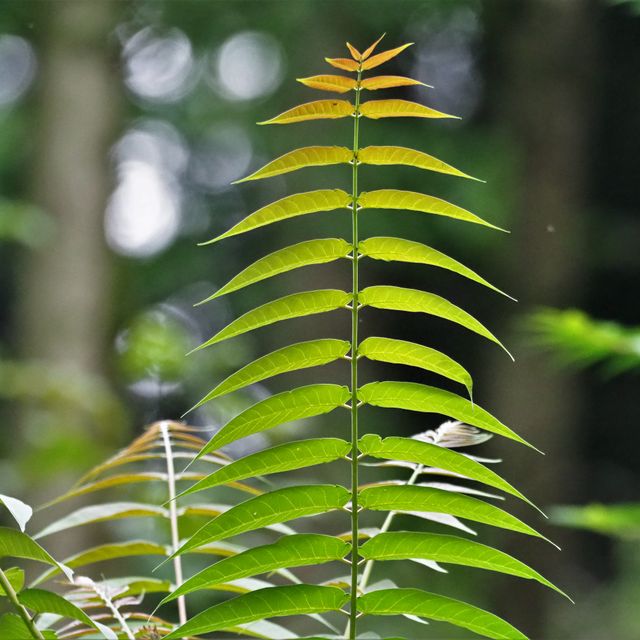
(15, 544)
(399, 250)
(299, 204)
(414, 498)
(415, 301)
(290, 551)
(301, 158)
(435, 607)
(343, 63)
(376, 109)
(265, 603)
(388, 82)
(383, 156)
(419, 397)
(280, 505)
(412, 201)
(316, 110)
(338, 84)
(298, 255)
(383, 56)
(415, 355)
(355, 54)
(20, 511)
(295, 305)
(303, 402)
(401, 545)
(432, 455)
(369, 50)
(101, 513)
(15, 576)
(283, 457)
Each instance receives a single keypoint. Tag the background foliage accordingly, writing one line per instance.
(92, 332)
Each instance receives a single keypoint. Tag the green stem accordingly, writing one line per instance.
(19, 607)
(351, 631)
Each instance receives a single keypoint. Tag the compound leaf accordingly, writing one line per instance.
(316, 110)
(298, 255)
(435, 607)
(264, 603)
(303, 402)
(280, 505)
(282, 457)
(295, 305)
(289, 551)
(298, 204)
(412, 201)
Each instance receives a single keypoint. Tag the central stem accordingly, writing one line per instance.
(352, 631)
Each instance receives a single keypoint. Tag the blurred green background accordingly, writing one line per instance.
(123, 124)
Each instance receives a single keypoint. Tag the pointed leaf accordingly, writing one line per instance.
(343, 63)
(415, 301)
(301, 158)
(299, 204)
(382, 156)
(280, 505)
(298, 255)
(316, 110)
(399, 250)
(20, 511)
(412, 201)
(434, 607)
(355, 54)
(15, 576)
(101, 513)
(283, 457)
(428, 499)
(388, 82)
(293, 357)
(420, 397)
(376, 109)
(15, 544)
(303, 402)
(383, 56)
(338, 84)
(415, 355)
(369, 50)
(295, 305)
(289, 551)
(265, 603)
(432, 455)
(447, 549)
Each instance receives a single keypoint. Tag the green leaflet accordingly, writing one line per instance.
(412, 201)
(399, 250)
(420, 397)
(15, 576)
(289, 551)
(409, 157)
(415, 301)
(298, 255)
(101, 513)
(303, 402)
(376, 109)
(428, 499)
(429, 605)
(316, 110)
(403, 545)
(15, 544)
(415, 355)
(295, 305)
(280, 505)
(301, 355)
(301, 158)
(299, 204)
(104, 552)
(265, 603)
(431, 455)
(283, 457)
